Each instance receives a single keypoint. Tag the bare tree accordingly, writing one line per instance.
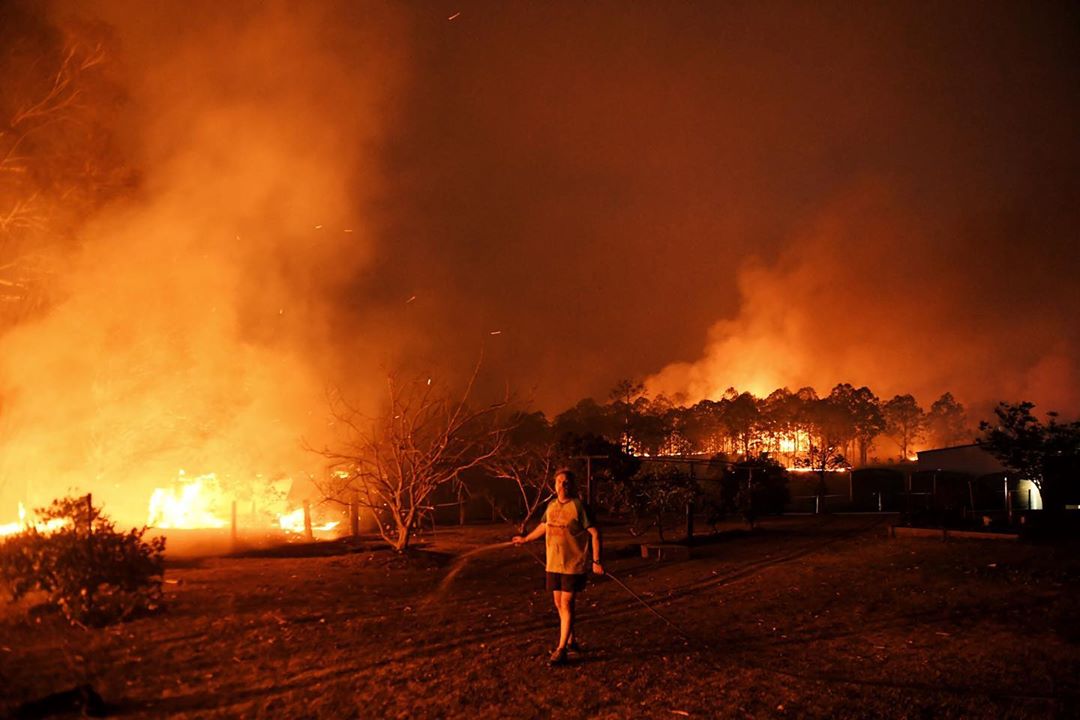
(58, 161)
(530, 468)
(395, 461)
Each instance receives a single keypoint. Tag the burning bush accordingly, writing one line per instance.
(87, 569)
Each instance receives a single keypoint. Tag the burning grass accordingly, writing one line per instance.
(808, 617)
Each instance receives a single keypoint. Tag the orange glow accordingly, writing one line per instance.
(190, 504)
(181, 331)
(294, 523)
(21, 524)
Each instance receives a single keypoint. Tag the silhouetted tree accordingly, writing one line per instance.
(830, 425)
(623, 397)
(528, 459)
(741, 419)
(703, 426)
(905, 421)
(947, 422)
(423, 440)
(1030, 449)
(58, 160)
(656, 489)
(864, 410)
(587, 417)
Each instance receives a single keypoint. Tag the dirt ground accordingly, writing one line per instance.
(804, 617)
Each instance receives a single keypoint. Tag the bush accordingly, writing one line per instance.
(652, 491)
(751, 488)
(92, 573)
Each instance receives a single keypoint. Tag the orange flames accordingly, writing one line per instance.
(202, 503)
(189, 505)
(21, 524)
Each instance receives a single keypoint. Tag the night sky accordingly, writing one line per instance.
(781, 194)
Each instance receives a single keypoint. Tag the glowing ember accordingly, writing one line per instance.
(189, 504)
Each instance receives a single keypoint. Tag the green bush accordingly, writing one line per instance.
(92, 573)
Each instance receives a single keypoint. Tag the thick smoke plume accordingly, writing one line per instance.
(872, 294)
(195, 326)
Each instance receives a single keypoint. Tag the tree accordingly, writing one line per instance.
(947, 422)
(587, 417)
(830, 427)
(741, 419)
(656, 489)
(760, 486)
(58, 161)
(393, 463)
(905, 421)
(864, 411)
(779, 419)
(623, 397)
(1030, 449)
(702, 426)
(529, 460)
(838, 411)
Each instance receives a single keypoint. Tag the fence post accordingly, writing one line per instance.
(354, 515)
(690, 511)
(307, 521)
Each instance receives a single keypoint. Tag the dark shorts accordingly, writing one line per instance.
(564, 582)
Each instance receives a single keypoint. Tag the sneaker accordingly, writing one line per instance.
(558, 657)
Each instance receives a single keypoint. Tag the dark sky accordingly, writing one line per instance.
(593, 180)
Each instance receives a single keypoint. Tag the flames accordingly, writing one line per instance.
(203, 502)
(294, 523)
(187, 505)
(21, 524)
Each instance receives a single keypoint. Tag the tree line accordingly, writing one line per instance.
(428, 440)
(801, 426)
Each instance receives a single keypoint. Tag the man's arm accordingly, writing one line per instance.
(538, 532)
(596, 566)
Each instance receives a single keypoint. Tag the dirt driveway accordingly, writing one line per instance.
(805, 617)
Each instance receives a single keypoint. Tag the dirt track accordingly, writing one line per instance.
(818, 617)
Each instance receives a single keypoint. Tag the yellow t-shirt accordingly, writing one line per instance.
(567, 539)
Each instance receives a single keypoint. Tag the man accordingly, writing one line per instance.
(573, 546)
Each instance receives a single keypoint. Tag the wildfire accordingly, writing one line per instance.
(201, 502)
(15, 527)
(294, 522)
(21, 524)
(190, 504)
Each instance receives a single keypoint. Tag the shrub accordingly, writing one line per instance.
(651, 492)
(92, 573)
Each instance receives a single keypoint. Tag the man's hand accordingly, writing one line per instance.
(597, 568)
(518, 540)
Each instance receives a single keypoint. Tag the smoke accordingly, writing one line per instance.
(879, 195)
(739, 194)
(198, 322)
(872, 293)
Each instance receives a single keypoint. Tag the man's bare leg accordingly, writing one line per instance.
(573, 618)
(564, 604)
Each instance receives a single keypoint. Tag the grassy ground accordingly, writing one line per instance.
(805, 617)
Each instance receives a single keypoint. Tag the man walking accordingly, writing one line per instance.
(573, 546)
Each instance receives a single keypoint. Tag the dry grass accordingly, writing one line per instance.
(808, 617)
